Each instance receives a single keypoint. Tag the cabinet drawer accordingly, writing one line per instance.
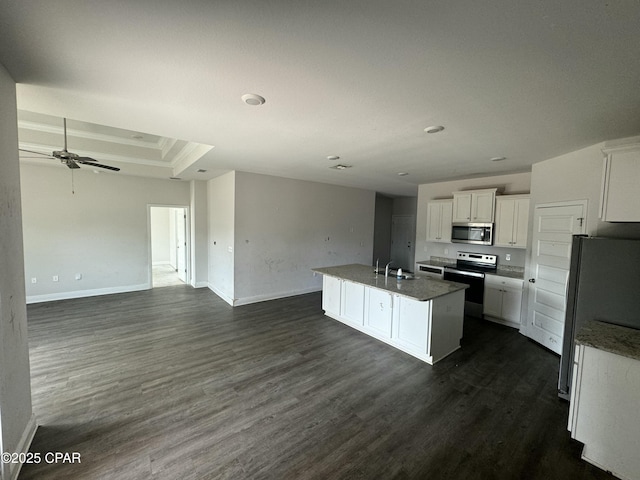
(506, 282)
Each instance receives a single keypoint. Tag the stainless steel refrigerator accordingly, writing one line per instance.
(604, 285)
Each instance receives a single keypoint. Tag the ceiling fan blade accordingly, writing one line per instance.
(71, 164)
(85, 159)
(107, 167)
(37, 153)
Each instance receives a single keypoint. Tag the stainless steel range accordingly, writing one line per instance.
(470, 269)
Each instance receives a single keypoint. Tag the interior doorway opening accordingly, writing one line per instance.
(169, 252)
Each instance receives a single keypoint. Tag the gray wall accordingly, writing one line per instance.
(199, 233)
(284, 228)
(382, 229)
(17, 425)
(221, 208)
(101, 231)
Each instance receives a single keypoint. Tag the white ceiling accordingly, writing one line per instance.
(528, 80)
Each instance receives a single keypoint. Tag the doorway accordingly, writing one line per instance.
(403, 233)
(169, 252)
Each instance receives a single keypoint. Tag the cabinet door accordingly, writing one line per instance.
(521, 223)
(505, 215)
(461, 207)
(379, 310)
(445, 225)
(439, 221)
(411, 324)
(434, 221)
(620, 201)
(352, 305)
(511, 303)
(483, 207)
(492, 301)
(331, 290)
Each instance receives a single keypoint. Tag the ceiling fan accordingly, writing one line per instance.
(71, 160)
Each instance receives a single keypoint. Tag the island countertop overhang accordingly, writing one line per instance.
(419, 288)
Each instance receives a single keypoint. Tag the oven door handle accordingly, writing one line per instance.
(464, 272)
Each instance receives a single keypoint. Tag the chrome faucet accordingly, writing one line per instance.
(386, 269)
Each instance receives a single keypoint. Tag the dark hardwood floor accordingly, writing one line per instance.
(173, 383)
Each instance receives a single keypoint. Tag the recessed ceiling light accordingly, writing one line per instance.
(402, 174)
(201, 170)
(434, 129)
(253, 99)
(498, 159)
(340, 167)
(175, 178)
(333, 158)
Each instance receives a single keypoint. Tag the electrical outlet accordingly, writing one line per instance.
(34, 280)
(78, 276)
(507, 257)
(446, 251)
(55, 278)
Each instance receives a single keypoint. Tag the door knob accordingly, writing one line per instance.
(532, 280)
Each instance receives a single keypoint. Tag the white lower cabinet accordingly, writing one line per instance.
(331, 295)
(603, 414)
(411, 324)
(378, 311)
(352, 302)
(502, 299)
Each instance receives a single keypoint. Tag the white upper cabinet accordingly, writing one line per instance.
(439, 214)
(512, 221)
(620, 199)
(474, 206)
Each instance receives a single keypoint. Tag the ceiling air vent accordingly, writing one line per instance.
(340, 167)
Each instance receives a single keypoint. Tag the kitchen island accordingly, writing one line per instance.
(421, 316)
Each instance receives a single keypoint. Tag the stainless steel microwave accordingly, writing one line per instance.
(474, 233)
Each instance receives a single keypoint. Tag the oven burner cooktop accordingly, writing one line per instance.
(476, 262)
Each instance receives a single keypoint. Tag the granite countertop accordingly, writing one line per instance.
(438, 263)
(418, 288)
(502, 271)
(616, 339)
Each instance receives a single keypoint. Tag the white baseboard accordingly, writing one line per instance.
(273, 296)
(50, 297)
(222, 295)
(200, 284)
(13, 469)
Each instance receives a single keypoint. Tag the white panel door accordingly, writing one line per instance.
(553, 227)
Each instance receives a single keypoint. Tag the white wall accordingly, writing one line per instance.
(578, 176)
(159, 220)
(221, 208)
(285, 227)
(199, 224)
(101, 231)
(17, 424)
(508, 185)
